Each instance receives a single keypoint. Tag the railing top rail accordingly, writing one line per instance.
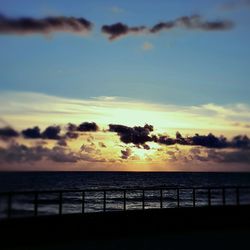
(158, 188)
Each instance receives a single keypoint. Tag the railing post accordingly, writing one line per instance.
(161, 199)
(223, 197)
(36, 203)
(9, 204)
(209, 197)
(143, 199)
(178, 197)
(237, 196)
(104, 201)
(83, 202)
(193, 197)
(124, 200)
(60, 202)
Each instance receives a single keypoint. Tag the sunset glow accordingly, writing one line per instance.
(133, 87)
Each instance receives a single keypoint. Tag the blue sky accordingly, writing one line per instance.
(182, 68)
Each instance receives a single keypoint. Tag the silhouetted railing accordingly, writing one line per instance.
(34, 203)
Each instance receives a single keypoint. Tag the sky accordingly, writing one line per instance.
(117, 67)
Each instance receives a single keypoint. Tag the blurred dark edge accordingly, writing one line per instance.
(190, 228)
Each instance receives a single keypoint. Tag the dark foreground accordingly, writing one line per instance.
(180, 228)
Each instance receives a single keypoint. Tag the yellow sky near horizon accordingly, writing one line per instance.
(103, 150)
(22, 110)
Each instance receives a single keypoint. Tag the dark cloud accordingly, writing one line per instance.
(71, 131)
(211, 141)
(208, 141)
(8, 132)
(117, 30)
(32, 133)
(71, 127)
(166, 140)
(88, 127)
(136, 135)
(139, 136)
(126, 153)
(83, 127)
(71, 135)
(162, 25)
(240, 141)
(194, 22)
(179, 139)
(51, 132)
(48, 25)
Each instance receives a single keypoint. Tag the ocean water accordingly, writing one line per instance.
(48, 203)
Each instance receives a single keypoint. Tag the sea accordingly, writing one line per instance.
(23, 204)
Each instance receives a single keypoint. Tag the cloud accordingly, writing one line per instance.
(83, 127)
(20, 153)
(207, 141)
(220, 155)
(88, 127)
(71, 135)
(71, 127)
(147, 46)
(240, 141)
(118, 30)
(32, 133)
(137, 135)
(48, 25)
(194, 22)
(166, 140)
(8, 132)
(45, 26)
(126, 153)
(51, 132)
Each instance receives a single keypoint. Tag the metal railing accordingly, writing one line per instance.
(119, 199)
